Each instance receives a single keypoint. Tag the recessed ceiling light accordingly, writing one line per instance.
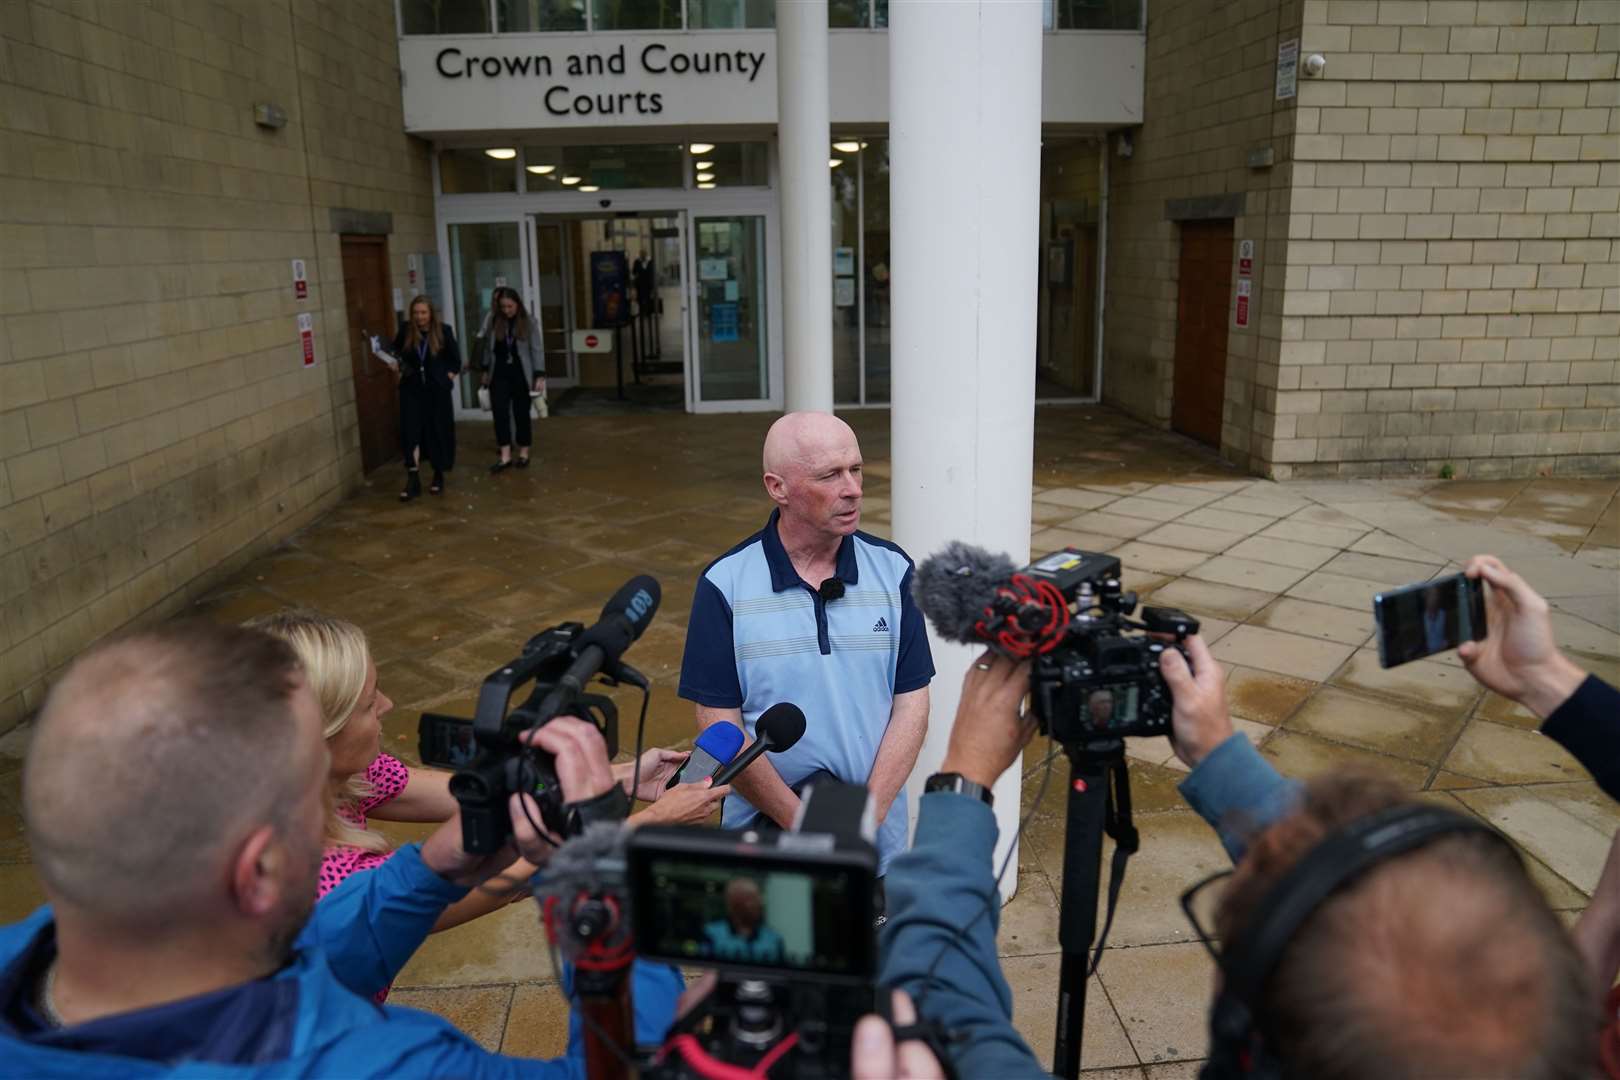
(702, 176)
(833, 163)
(705, 187)
(701, 147)
(542, 170)
(589, 187)
(502, 153)
(848, 146)
(704, 165)
(570, 180)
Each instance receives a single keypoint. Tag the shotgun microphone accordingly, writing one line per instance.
(778, 728)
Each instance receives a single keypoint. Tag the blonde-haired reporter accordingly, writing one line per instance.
(367, 782)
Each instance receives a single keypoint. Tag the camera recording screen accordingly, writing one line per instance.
(752, 915)
(1428, 618)
(1110, 706)
(446, 741)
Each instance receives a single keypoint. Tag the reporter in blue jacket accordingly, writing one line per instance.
(179, 939)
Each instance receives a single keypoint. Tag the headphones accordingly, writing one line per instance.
(1237, 1042)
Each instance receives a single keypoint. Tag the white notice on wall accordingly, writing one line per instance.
(843, 292)
(1287, 68)
(399, 299)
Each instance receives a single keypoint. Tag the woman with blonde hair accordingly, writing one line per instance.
(429, 361)
(367, 782)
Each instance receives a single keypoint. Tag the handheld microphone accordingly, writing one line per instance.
(624, 618)
(973, 597)
(777, 729)
(717, 745)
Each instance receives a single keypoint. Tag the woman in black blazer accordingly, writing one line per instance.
(429, 361)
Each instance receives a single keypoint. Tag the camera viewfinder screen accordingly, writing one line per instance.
(756, 916)
(1108, 707)
(446, 741)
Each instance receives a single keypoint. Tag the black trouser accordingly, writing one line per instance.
(509, 397)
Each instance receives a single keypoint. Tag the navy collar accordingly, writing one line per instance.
(784, 576)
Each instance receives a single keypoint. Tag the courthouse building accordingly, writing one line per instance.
(1324, 237)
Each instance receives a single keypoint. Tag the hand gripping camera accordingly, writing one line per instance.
(490, 760)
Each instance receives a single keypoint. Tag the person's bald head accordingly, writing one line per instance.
(1443, 961)
(812, 466)
(156, 756)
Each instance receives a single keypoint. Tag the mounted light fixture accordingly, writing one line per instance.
(589, 187)
(705, 176)
(705, 187)
(847, 146)
(701, 147)
(569, 181)
(541, 170)
(501, 153)
(833, 163)
(704, 165)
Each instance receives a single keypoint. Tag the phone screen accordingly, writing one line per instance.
(1429, 617)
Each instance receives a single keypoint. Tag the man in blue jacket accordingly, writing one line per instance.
(1402, 943)
(175, 793)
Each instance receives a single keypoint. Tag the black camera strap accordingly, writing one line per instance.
(1121, 829)
(612, 806)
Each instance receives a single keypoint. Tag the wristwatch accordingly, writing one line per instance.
(951, 781)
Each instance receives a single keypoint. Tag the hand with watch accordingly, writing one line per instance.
(990, 731)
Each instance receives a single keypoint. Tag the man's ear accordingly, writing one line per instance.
(256, 872)
(776, 488)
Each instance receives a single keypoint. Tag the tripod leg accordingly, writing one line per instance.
(1077, 919)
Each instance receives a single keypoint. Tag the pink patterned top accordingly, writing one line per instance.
(388, 778)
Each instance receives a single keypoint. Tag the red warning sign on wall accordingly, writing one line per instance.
(300, 280)
(306, 337)
(1243, 288)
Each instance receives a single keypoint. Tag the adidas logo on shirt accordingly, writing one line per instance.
(882, 626)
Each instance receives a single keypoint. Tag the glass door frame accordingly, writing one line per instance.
(686, 204)
(531, 293)
(503, 212)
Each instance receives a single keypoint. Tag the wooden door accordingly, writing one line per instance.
(376, 391)
(1201, 317)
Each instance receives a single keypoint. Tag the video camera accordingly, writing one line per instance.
(1096, 670)
(784, 919)
(491, 761)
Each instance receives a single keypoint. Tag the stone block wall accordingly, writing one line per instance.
(1209, 101)
(157, 427)
(1453, 279)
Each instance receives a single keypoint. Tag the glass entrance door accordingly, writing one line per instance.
(550, 301)
(731, 341)
(483, 257)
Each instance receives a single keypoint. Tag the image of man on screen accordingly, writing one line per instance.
(742, 935)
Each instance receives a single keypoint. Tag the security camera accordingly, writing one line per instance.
(604, 203)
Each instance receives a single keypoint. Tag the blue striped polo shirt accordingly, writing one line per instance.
(760, 634)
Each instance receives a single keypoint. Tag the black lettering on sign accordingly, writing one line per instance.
(551, 108)
(651, 54)
(438, 62)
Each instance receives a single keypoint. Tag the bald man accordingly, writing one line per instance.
(813, 611)
(175, 795)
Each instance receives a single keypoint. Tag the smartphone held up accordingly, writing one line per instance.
(1429, 617)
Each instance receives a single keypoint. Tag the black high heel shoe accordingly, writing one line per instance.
(500, 466)
(413, 485)
(437, 487)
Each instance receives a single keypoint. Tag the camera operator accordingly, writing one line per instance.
(1442, 961)
(179, 930)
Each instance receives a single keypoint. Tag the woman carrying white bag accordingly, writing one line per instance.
(513, 367)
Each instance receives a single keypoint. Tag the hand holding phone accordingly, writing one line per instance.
(1429, 617)
(1520, 659)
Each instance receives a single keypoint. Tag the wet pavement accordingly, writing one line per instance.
(1281, 575)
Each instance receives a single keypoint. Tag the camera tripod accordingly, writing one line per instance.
(1099, 803)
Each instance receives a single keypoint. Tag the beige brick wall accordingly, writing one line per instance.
(1209, 101)
(1454, 280)
(156, 425)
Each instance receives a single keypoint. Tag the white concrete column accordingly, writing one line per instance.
(804, 143)
(964, 198)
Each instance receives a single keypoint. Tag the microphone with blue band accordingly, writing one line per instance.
(714, 750)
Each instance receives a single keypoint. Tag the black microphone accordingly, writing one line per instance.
(831, 589)
(777, 729)
(955, 587)
(624, 617)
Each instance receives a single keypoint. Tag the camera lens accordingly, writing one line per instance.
(469, 787)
